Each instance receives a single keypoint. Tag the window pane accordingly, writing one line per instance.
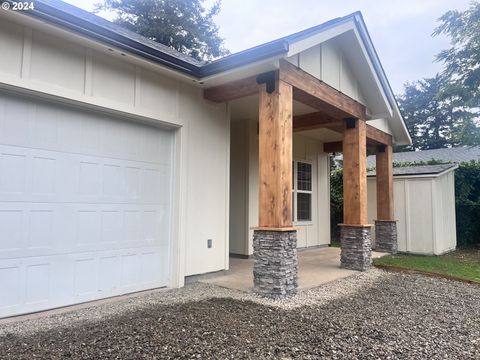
(304, 176)
(304, 207)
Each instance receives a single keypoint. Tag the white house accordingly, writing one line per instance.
(126, 166)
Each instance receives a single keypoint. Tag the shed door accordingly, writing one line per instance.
(85, 205)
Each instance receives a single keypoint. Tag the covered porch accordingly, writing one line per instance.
(275, 262)
(316, 266)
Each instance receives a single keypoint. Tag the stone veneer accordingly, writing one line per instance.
(356, 245)
(386, 236)
(275, 263)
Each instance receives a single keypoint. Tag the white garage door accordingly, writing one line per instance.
(85, 204)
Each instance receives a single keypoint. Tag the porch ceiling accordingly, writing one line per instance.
(247, 108)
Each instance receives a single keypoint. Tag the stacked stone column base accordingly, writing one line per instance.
(356, 253)
(386, 236)
(275, 267)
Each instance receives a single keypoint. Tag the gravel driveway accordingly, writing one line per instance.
(369, 315)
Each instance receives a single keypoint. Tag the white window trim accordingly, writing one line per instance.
(295, 191)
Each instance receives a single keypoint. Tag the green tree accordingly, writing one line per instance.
(435, 117)
(184, 25)
(462, 59)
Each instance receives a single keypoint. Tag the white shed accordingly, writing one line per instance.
(424, 198)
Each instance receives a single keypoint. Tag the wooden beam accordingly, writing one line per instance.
(314, 92)
(275, 156)
(355, 172)
(333, 147)
(316, 120)
(233, 90)
(378, 137)
(384, 179)
(375, 138)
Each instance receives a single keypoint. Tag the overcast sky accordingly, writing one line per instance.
(400, 29)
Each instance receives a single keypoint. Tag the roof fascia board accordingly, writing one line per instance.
(381, 72)
(375, 71)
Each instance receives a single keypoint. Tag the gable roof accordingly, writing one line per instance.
(419, 170)
(97, 28)
(455, 155)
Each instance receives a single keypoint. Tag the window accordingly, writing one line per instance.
(302, 191)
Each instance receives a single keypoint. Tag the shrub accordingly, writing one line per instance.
(467, 203)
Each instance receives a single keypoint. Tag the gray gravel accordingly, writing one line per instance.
(369, 315)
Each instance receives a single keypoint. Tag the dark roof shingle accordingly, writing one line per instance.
(455, 155)
(418, 170)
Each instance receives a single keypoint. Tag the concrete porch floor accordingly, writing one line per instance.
(315, 267)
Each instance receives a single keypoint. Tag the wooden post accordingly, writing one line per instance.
(275, 156)
(384, 170)
(354, 172)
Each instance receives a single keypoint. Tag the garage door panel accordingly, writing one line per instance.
(29, 123)
(85, 202)
(47, 176)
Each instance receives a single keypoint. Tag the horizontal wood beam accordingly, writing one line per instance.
(333, 147)
(315, 93)
(233, 90)
(315, 121)
(378, 137)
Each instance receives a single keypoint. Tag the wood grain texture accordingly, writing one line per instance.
(333, 147)
(275, 156)
(384, 170)
(233, 90)
(377, 137)
(316, 120)
(315, 93)
(355, 174)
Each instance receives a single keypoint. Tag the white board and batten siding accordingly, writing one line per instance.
(425, 210)
(90, 138)
(329, 62)
(244, 189)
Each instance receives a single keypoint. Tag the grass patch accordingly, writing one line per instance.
(463, 264)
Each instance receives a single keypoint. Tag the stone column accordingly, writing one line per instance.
(275, 263)
(355, 235)
(275, 240)
(385, 225)
(356, 247)
(386, 236)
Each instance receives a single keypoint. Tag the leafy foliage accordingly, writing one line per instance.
(336, 202)
(467, 203)
(419, 163)
(462, 60)
(444, 111)
(436, 115)
(184, 25)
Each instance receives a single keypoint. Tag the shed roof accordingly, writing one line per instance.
(419, 170)
(455, 155)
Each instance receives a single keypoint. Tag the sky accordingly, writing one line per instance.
(400, 29)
